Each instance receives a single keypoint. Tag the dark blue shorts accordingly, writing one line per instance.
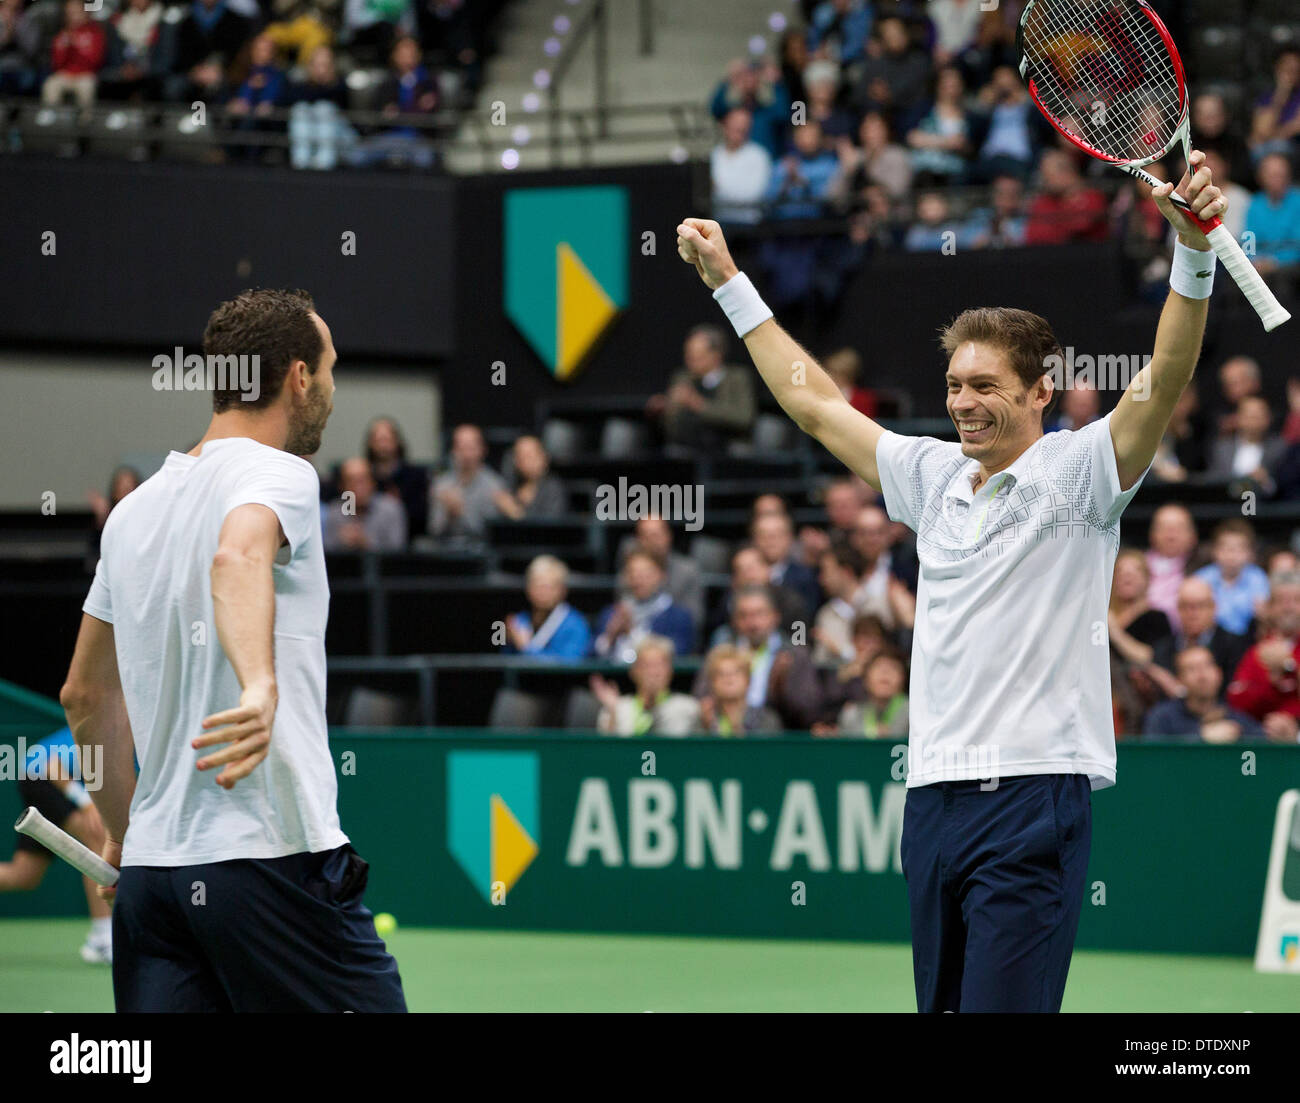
(272, 934)
(995, 880)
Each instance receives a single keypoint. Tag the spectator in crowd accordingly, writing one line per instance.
(551, 628)
(1239, 197)
(1276, 122)
(895, 76)
(1251, 452)
(956, 27)
(123, 480)
(1274, 219)
(1291, 427)
(1240, 586)
(647, 609)
(408, 90)
(1265, 684)
(208, 40)
(76, 57)
(1198, 629)
(757, 87)
(21, 47)
(794, 57)
(1172, 544)
(1198, 713)
(1066, 209)
(940, 142)
(741, 171)
(386, 452)
(708, 402)
(1143, 233)
(725, 704)
(822, 81)
(302, 27)
(876, 161)
(1182, 452)
(842, 568)
(1238, 380)
(682, 577)
(361, 518)
(319, 134)
(782, 674)
(1001, 225)
(883, 712)
(869, 637)
(1216, 135)
(773, 536)
(1134, 629)
(801, 182)
(533, 492)
(652, 708)
(260, 94)
(464, 499)
(887, 588)
(935, 230)
(374, 24)
(840, 29)
(749, 569)
(844, 366)
(1007, 118)
(456, 29)
(1080, 405)
(132, 66)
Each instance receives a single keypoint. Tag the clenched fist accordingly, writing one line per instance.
(700, 242)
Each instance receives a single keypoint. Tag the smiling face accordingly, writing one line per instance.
(996, 415)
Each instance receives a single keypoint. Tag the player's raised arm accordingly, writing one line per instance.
(1143, 412)
(800, 385)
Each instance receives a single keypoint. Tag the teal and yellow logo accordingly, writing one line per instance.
(565, 269)
(1290, 947)
(492, 816)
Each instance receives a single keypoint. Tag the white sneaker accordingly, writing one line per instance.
(97, 951)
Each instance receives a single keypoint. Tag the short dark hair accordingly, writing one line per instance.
(848, 557)
(1235, 526)
(276, 327)
(714, 335)
(1026, 339)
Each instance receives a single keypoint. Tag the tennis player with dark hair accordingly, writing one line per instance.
(202, 649)
(1017, 534)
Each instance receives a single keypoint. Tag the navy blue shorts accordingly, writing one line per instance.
(270, 934)
(995, 880)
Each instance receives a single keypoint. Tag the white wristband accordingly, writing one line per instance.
(1192, 272)
(745, 308)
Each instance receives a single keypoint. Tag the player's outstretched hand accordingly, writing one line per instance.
(246, 728)
(700, 242)
(1202, 195)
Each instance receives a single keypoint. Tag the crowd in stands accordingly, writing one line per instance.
(906, 124)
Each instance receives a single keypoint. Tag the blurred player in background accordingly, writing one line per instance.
(205, 628)
(51, 784)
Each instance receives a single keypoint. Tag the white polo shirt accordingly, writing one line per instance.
(152, 584)
(1010, 654)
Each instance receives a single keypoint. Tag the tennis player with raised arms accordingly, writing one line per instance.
(201, 653)
(1017, 534)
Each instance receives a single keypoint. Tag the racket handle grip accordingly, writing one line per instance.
(1257, 292)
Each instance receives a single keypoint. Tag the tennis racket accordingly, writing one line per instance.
(1107, 75)
(77, 855)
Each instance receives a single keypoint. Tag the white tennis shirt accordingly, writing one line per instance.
(152, 584)
(1010, 654)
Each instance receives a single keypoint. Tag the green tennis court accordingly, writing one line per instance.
(447, 970)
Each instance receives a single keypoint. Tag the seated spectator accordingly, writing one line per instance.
(1265, 684)
(647, 609)
(1198, 629)
(896, 75)
(1001, 225)
(773, 536)
(261, 93)
(456, 30)
(1240, 587)
(869, 638)
(533, 492)
(1239, 379)
(1080, 405)
(1182, 452)
(1135, 629)
(386, 453)
(1274, 220)
(956, 26)
(123, 480)
(726, 706)
(875, 161)
(1198, 714)
(882, 714)
(76, 57)
(802, 181)
(1007, 117)
(361, 519)
(709, 402)
(935, 230)
(319, 134)
(681, 573)
(1172, 539)
(782, 675)
(740, 170)
(822, 81)
(940, 142)
(374, 24)
(1251, 452)
(1238, 196)
(794, 58)
(132, 66)
(839, 30)
(757, 87)
(464, 499)
(888, 588)
(842, 568)
(551, 628)
(1276, 121)
(844, 366)
(1216, 135)
(1143, 235)
(652, 708)
(21, 48)
(748, 569)
(303, 27)
(408, 90)
(1067, 209)
(208, 40)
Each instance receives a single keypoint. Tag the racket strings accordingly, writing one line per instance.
(1103, 72)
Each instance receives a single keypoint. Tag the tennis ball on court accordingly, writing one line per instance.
(385, 924)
